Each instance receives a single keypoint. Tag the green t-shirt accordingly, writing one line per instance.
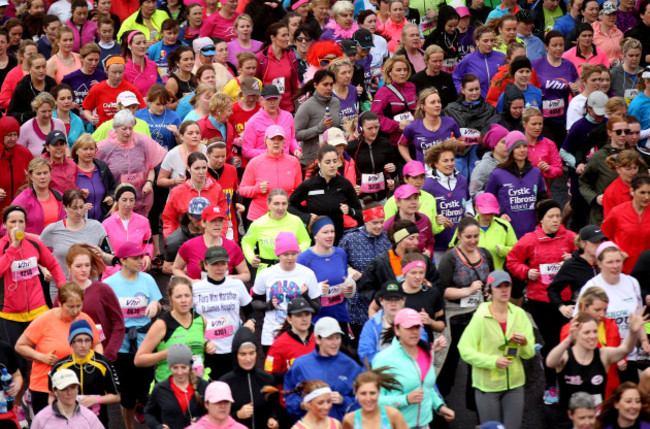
(550, 16)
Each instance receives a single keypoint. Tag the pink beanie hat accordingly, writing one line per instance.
(514, 139)
(494, 136)
(286, 242)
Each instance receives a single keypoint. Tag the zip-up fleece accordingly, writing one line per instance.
(481, 344)
(407, 372)
(163, 407)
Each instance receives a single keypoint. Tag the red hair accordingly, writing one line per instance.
(321, 50)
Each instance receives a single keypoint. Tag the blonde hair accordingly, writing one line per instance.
(220, 101)
(200, 90)
(390, 63)
(422, 98)
(59, 33)
(243, 17)
(432, 49)
(36, 164)
(83, 141)
(592, 294)
(43, 98)
(613, 104)
(337, 63)
(530, 112)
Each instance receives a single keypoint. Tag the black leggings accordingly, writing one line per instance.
(135, 383)
(447, 375)
(39, 400)
(549, 320)
(10, 331)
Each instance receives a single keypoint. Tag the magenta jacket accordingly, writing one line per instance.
(143, 80)
(35, 219)
(386, 104)
(280, 171)
(88, 34)
(253, 138)
(139, 231)
(546, 150)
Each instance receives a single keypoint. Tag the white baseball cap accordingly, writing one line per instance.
(126, 98)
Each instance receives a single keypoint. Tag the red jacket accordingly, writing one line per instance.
(629, 231)
(209, 131)
(535, 249)
(23, 298)
(616, 193)
(613, 339)
(13, 163)
(179, 201)
(284, 350)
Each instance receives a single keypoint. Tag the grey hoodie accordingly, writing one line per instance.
(481, 173)
(309, 123)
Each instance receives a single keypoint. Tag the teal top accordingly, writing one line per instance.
(384, 422)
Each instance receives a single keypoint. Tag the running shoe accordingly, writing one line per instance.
(139, 413)
(550, 396)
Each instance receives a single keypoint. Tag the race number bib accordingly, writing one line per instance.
(404, 116)
(279, 83)
(218, 329)
(449, 64)
(333, 296)
(100, 331)
(134, 306)
(427, 24)
(471, 301)
(629, 94)
(197, 365)
(471, 135)
(553, 108)
(372, 183)
(24, 269)
(548, 272)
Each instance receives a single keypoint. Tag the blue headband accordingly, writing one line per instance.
(319, 223)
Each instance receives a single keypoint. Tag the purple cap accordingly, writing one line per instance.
(413, 168)
(405, 191)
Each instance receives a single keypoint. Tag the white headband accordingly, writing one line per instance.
(316, 393)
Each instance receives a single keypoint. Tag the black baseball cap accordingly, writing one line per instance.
(592, 233)
(391, 289)
(349, 47)
(363, 38)
(55, 136)
(216, 254)
(298, 305)
(270, 91)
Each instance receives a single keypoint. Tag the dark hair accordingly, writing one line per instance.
(126, 52)
(273, 30)
(322, 74)
(72, 195)
(201, 70)
(3, 32)
(13, 208)
(304, 29)
(48, 19)
(642, 7)
(367, 116)
(399, 224)
(77, 4)
(195, 156)
(217, 145)
(361, 18)
(13, 22)
(412, 256)
(169, 24)
(159, 93)
(174, 56)
(58, 88)
(185, 125)
(465, 223)
(551, 34)
(324, 150)
(468, 78)
(639, 180)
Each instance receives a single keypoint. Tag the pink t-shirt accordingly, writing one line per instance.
(218, 26)
(193, 251)
(424, 362)
(50, 210)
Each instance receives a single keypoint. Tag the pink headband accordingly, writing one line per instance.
(132, 35)
(298, 4)
(415, 264)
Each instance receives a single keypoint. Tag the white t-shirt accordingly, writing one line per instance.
(576, 110)
(274, 282)
(624, 300)
(220, 305)
(63, 9)
(173, 162)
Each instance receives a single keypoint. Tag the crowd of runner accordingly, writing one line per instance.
(306, 213)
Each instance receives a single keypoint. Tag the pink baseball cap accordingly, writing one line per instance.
(487, 203)
(274, 131)
(218, 391)
(407, 318)
(405, 191)
(413, 168)
(462, 11)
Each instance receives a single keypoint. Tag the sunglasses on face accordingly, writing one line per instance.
(303, 39)
(325, 62)
(619, 132)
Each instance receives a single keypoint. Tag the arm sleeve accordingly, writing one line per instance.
(248, 188)
(587, 181)
(169, 218)
(114, 312)
(469, 347)
(295, 203)
(367, 343)
(248, 142)
(49, 261)
(516, 261)
(379, 104)
(292, 400)
(302, 121)
(152, 411)
(248, 242)
(446, 271)
(554, 162)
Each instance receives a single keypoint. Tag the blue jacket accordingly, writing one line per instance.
(407, 372)
(76, 128)
(338, 371)
(534, 47)
(484, 66)
(565, 24)
(371, 334)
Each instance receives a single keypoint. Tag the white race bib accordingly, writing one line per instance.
(553, 108)
(279, 82)
(404, 116)
(548, 272)
(471, 301)
(629, 94)
(471, 135)
(372, 183)
(24, 269)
